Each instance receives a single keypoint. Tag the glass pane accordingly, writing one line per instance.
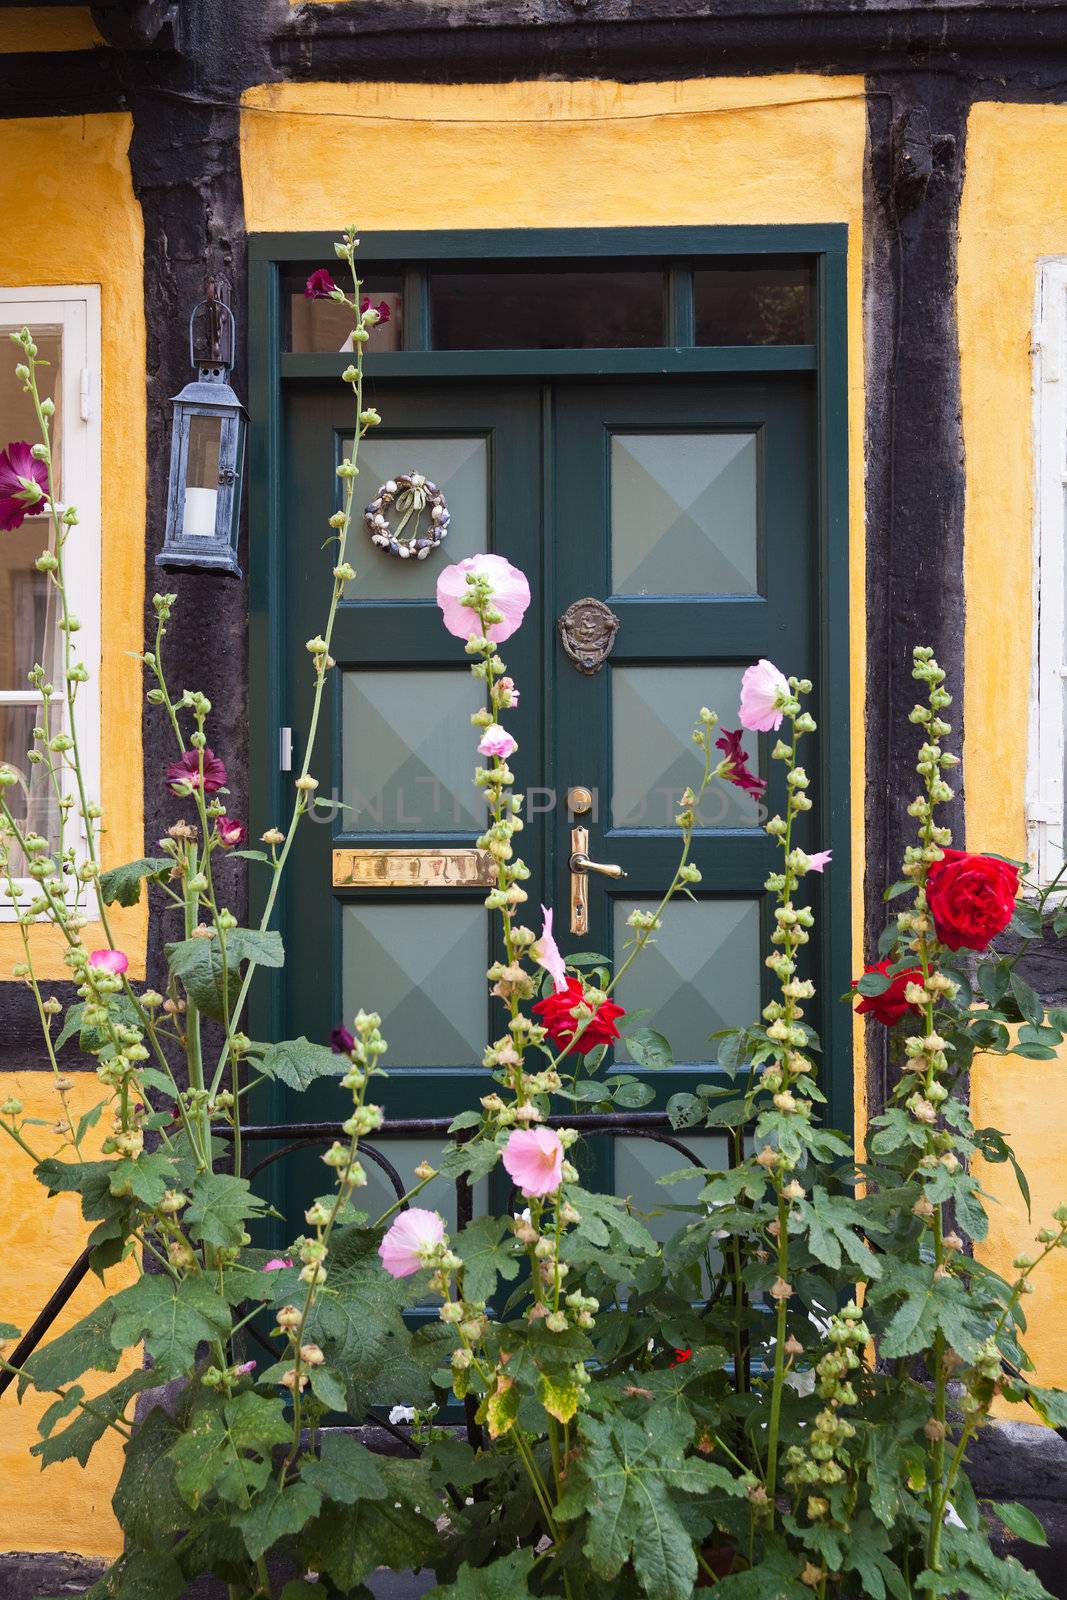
(741, 303)
(323, 327)
(640, 1163)
(32, 801)
(653, 711)
(29, 607)
(546, 310)
(202, 476)
(460, 469)
(701, 974)
(422, 968)
(405, 1155)
(684, 513)
(17, 418)
(409, 752)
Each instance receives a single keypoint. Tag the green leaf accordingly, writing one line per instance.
(630, 1093)
(1050, 1405)
(88, 1428)
(398, 1530)
(252, 944)
(627, 1480)
(298, 1063)
(1027, 1001)
(146, 1575)
(327, 1388)
(1026, 920)
(487, 1249)
(198, 964)
(344, 1471)
(87, 1346)
(613, 1213)
(172, 1318)
(220, 1206)
(650, 1049)
(146, 1501)
(276, 1514)
(834, 1224)
(229, 1449)
(124, 883)
(873, 983)
(993, 980)
(504, 1579)
(1020, 1520)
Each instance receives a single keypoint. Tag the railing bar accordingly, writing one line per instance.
(45, 1318)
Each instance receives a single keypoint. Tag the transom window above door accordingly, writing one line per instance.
(566, 305)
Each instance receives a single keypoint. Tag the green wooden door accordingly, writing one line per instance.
(688, 506)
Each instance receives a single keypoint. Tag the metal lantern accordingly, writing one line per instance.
(206, 453)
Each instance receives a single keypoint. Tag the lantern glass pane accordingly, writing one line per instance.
(202, 476)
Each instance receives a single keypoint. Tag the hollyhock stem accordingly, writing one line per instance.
(301, 804)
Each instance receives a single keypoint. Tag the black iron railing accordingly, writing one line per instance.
(294, 1136)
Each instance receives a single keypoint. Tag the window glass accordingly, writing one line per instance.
(323, 327)
(738, 302)
(29, 609)
(547, 309)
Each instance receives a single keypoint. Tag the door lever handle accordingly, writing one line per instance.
(580, 862)
(581, 867)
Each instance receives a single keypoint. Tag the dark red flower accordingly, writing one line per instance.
(889, 1006)
(971, 898)
(381, 308)
(341, 1041)
(737, 771)
(680, 1356)
(23, 485)
(320, 286)
(557, 1015)
(186, 770)
(230, 832)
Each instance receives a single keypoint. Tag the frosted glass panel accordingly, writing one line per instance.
(640, 1163)
(405, 1155)
(684, 513)
(702, 972)
(422, 968)
(460, 469)
(409, 752)
(653, 712)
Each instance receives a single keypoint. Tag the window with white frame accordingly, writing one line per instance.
(65, 322)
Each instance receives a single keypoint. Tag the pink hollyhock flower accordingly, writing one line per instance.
(23, 485)
(341, 1041)
(510, 591)
(819, 861)
(497, 741)
(381, 310)
(320, 286)
(763, 691)
(276, 1264)
(230, 832)
(507, 694)
(546, 953)
(109, 961)
(533, 1160)
(186, 770)
(411, 1239)
(736, 764)
(245, 1368)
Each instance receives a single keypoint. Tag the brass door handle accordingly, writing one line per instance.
(580, 862)
(581, 867)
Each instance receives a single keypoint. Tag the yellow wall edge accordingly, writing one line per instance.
(47, 28)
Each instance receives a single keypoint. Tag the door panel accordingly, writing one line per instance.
(721, 476)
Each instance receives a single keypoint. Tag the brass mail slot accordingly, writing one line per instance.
(413, 869)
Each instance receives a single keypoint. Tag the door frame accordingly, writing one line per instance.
(273, 371)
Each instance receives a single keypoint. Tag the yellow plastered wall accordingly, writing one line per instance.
(1013, 213)
(69, 216)
(70, 1508)
(560, 155)
(40, 28)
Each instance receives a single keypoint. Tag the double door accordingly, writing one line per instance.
(684, 512)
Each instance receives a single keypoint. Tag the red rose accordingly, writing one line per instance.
(971, 898)
(557, 1014)
(890, 1005)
